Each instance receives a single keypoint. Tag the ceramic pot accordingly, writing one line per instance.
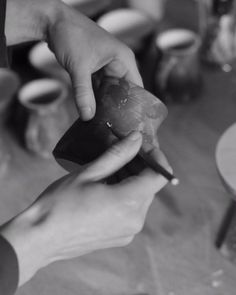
(131, 26)
(122, 107)
(178, 77)
(9, 83)
(47, 115)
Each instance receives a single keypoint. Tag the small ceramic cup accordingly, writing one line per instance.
(47, 116)
(44, 60)
(129, 25)
(177, 75)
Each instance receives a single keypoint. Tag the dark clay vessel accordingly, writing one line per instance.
(122, 107)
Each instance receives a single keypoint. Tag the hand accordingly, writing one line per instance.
(80, 46)
(79, 214)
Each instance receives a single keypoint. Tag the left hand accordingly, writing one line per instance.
(79, 45)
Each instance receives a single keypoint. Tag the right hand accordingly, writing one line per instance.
(79, 214)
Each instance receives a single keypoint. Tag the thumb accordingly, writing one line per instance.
(84, 96)
(113, 159)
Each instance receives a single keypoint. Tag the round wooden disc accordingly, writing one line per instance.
(226, 158)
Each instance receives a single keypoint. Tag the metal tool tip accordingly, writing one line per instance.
(175, 181)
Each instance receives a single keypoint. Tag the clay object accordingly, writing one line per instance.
(122, 107)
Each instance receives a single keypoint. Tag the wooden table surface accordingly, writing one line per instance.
(175, 254)
(226, 158)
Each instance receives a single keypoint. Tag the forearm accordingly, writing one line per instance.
(9, 271)
(25, 238)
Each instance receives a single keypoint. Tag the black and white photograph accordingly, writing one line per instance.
(117, 147)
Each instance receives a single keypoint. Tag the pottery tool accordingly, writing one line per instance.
(152, 163)
(161, 170)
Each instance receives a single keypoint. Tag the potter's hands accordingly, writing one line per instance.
(78, 214)
(80, 46)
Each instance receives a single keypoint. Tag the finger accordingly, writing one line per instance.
(84, 96)
(124, 66)
(141, 189)
(113, 159)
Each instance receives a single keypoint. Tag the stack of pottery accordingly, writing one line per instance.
(9, 83)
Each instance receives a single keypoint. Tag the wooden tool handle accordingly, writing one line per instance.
(3, 43)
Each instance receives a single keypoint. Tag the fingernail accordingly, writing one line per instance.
(86, 113)
(135, 136)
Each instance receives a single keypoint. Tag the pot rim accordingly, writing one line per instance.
(39, 87)
(171, 33)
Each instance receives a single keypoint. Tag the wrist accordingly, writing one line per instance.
(28, 20)
(26, 239)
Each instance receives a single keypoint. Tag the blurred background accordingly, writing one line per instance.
(185, 50)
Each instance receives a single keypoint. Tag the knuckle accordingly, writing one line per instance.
(130, 53)
(133, 217)
(122, 242)
(116, 151)
(126, 52)
(127, 241)
(100, 189)
(88, 190)
(81, 91)
(138, 227)
(67, 62)
(135, 224)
